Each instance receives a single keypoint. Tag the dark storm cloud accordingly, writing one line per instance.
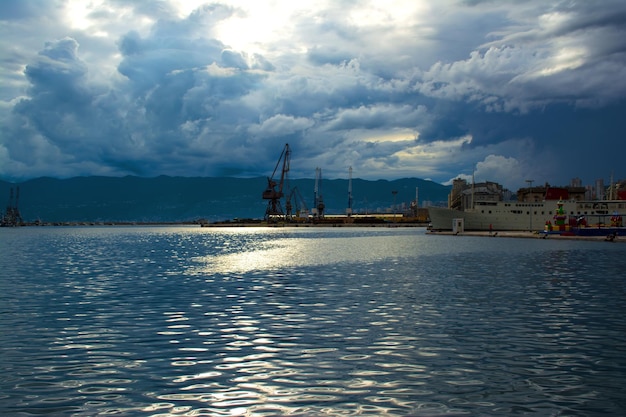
(59, 95)
(147, 62)
(24, 9)
(428, 89)
(556, 76)
(175, 97)
(64, 117)
(58, 67)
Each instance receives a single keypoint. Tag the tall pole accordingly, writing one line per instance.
(394, 192)
(315, 192)
(417, 206)
(349, 211)
(473, 183)
(530, 211)
(319, 199)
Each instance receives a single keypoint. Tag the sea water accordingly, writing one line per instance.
(188, 321)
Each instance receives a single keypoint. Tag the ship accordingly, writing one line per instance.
(536, 209)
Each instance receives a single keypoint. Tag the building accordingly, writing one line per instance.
(547, 192)
(464, 195)
(599, 195)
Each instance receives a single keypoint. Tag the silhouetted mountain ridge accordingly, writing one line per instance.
(167, 198)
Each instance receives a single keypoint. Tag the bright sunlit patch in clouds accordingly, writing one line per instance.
(396, 11)
(87, 16)
(566, 59)
(437, 149)
(185, 7)
(260, 26)
(258, 23)
(400, 135)
(77, 13)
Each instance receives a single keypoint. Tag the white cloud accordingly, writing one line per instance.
(548, 54)
(280, 125)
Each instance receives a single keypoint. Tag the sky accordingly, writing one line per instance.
(502, 90)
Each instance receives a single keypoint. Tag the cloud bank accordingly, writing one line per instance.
(506, 90)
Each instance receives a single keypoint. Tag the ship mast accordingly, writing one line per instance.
(473, 182)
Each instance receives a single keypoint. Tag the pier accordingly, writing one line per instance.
(529, 235)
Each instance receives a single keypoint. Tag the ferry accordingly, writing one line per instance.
(529, 215)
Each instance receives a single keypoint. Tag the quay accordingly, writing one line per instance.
(529, 235)
(296, 225)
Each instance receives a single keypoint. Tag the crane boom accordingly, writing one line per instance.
(302, 211)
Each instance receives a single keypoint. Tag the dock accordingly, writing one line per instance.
(528, 235)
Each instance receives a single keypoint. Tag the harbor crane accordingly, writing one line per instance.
(272, 194)
(318, 200)
(302, 211)
(12, 217)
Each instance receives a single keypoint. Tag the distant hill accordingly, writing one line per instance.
(92, 199)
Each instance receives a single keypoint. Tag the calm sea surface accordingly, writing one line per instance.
(187, 321)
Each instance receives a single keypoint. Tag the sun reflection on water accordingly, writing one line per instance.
(251, 250)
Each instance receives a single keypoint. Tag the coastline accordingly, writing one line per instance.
(246, 224)
(229, 224)
(529, 235)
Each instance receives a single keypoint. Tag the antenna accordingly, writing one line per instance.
(473, 182)
(530, 212)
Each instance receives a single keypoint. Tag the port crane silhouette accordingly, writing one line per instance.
(272, 194)
(302, 211)
(12, 217)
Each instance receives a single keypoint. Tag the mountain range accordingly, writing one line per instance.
(173, 199)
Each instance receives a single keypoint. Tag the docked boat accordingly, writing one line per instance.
(530, 215)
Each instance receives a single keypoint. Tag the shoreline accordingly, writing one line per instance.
(499, 233)
(219, 224)
(528, 235)
(300, 225)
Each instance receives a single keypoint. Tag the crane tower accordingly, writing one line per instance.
(273, 194)
(12, 217)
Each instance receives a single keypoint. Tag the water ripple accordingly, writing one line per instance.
(186, 322)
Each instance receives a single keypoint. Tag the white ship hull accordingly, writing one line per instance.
(511, 215)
